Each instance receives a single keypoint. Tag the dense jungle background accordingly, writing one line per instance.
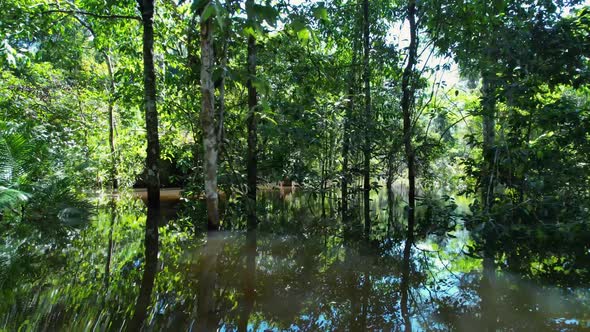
(290, 165)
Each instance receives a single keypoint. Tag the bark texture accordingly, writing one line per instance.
(488, 102)
(346, 139)
(368, 120)
(252, 125)
(208, 124)
(407, 105)
(112, 91)
(151, 114)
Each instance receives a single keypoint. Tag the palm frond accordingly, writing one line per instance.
(11, 197)
(15, 152)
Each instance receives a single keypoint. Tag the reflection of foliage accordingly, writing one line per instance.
(436, 216)
(311, 280)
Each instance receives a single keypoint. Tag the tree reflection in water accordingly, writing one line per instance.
(296, 272)
(149, 269)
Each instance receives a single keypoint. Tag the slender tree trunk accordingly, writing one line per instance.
(223, 63)
(323, 170)
(153, 174)
(221, 107)
(489, 136)
(389, 185)
(368, 121)
(488, 102)
(112, 91)
(406, 103)
(208, 123)
(151, 113)
(346, 135)
(252, 124)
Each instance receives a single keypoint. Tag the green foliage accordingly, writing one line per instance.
(66, 68)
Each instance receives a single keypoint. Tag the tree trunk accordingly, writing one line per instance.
(346, 135)
(389, 185)
(151, 114)
(153, 174)
(407, 103)
(489, 135)
(488, 102)
(252, 124)
(114, 178)
(368, 122)
(208, 123)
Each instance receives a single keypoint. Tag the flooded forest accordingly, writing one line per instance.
(294, 165)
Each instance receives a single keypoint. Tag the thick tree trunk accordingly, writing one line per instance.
(407, 103)
(368, 121)
(208, 124)
(252, 124)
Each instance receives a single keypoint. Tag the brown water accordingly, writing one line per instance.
(296, 273)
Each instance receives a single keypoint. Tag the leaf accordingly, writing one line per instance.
(268, 13)
(207, 12)
(264, 116)
(10, 197)
(298, 25)
(320, 13)
(303, 34)
(249, 31)
(219, 14)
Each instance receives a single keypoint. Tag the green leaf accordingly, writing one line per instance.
(268, 13)
(249, 31)
(298, 25)
(207, 12)
(320, 13)
(303, 34)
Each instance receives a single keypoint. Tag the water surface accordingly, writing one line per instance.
(299, 272)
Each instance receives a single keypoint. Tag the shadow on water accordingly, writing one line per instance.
(302, 270)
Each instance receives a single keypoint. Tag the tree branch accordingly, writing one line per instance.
(81, 12)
